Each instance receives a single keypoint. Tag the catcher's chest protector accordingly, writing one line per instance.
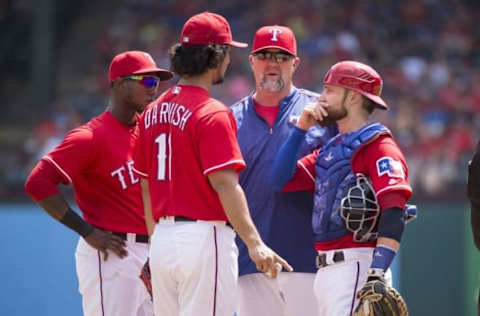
(334, 176)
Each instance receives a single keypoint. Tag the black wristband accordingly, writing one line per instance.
(392, 223)
(73, 221)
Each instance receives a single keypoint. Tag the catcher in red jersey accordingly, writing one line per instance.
(96, 158)
(360, 183)
(188, 157)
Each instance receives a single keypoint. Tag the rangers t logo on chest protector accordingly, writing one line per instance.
(274, 33)
(390, 166)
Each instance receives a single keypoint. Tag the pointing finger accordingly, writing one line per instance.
(274, 270)
(283, 263)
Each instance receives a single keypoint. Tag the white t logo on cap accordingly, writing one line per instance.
(274, 34)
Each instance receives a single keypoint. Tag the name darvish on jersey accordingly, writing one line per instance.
(167, 112)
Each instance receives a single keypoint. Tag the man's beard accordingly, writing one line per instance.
(272, 85)
(334, 115)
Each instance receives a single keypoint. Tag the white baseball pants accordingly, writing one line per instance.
(112, 287)
(290, 294)
(337, 284)
(194, 268)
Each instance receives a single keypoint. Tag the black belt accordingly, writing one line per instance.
(321, 260)
(186, 219)
(138, 237)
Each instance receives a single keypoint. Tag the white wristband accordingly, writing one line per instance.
(379, 273)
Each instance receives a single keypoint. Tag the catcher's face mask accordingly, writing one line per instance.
(360, 210)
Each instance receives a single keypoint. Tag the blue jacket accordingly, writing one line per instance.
(333, 177)
(283, 219)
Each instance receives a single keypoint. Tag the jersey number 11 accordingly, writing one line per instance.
(163, 140)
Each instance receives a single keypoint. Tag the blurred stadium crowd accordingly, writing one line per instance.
(428, 52)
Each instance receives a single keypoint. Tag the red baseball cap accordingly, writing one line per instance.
(275, 36)
(135, 63)
(208, 28)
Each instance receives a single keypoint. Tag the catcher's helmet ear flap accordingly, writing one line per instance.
(358, 77)
(360, 210)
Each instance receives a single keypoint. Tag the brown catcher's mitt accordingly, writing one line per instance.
(378, 299)
(146, 277)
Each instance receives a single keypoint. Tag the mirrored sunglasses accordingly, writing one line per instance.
(279, 57)
(147, 81)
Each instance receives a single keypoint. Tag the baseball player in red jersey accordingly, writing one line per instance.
(360, 179)
(96, 158)
(188, 158)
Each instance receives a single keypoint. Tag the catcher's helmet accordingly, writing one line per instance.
(358, 77)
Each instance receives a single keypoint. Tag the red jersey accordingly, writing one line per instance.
(97, 159)
(184, 136)
(382, 162)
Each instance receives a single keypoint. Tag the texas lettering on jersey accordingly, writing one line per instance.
(121, 172)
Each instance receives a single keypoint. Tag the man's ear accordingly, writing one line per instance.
(296, 63)
(250, 60)
(355, 97)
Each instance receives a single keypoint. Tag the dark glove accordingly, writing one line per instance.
(147, 277)
(378, 299)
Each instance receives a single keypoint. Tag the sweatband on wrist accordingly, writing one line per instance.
(382, 257)
(73, 221)
(375, 274)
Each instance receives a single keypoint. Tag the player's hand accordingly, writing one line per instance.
(267, 261)
(312, 114)
(104, 241)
